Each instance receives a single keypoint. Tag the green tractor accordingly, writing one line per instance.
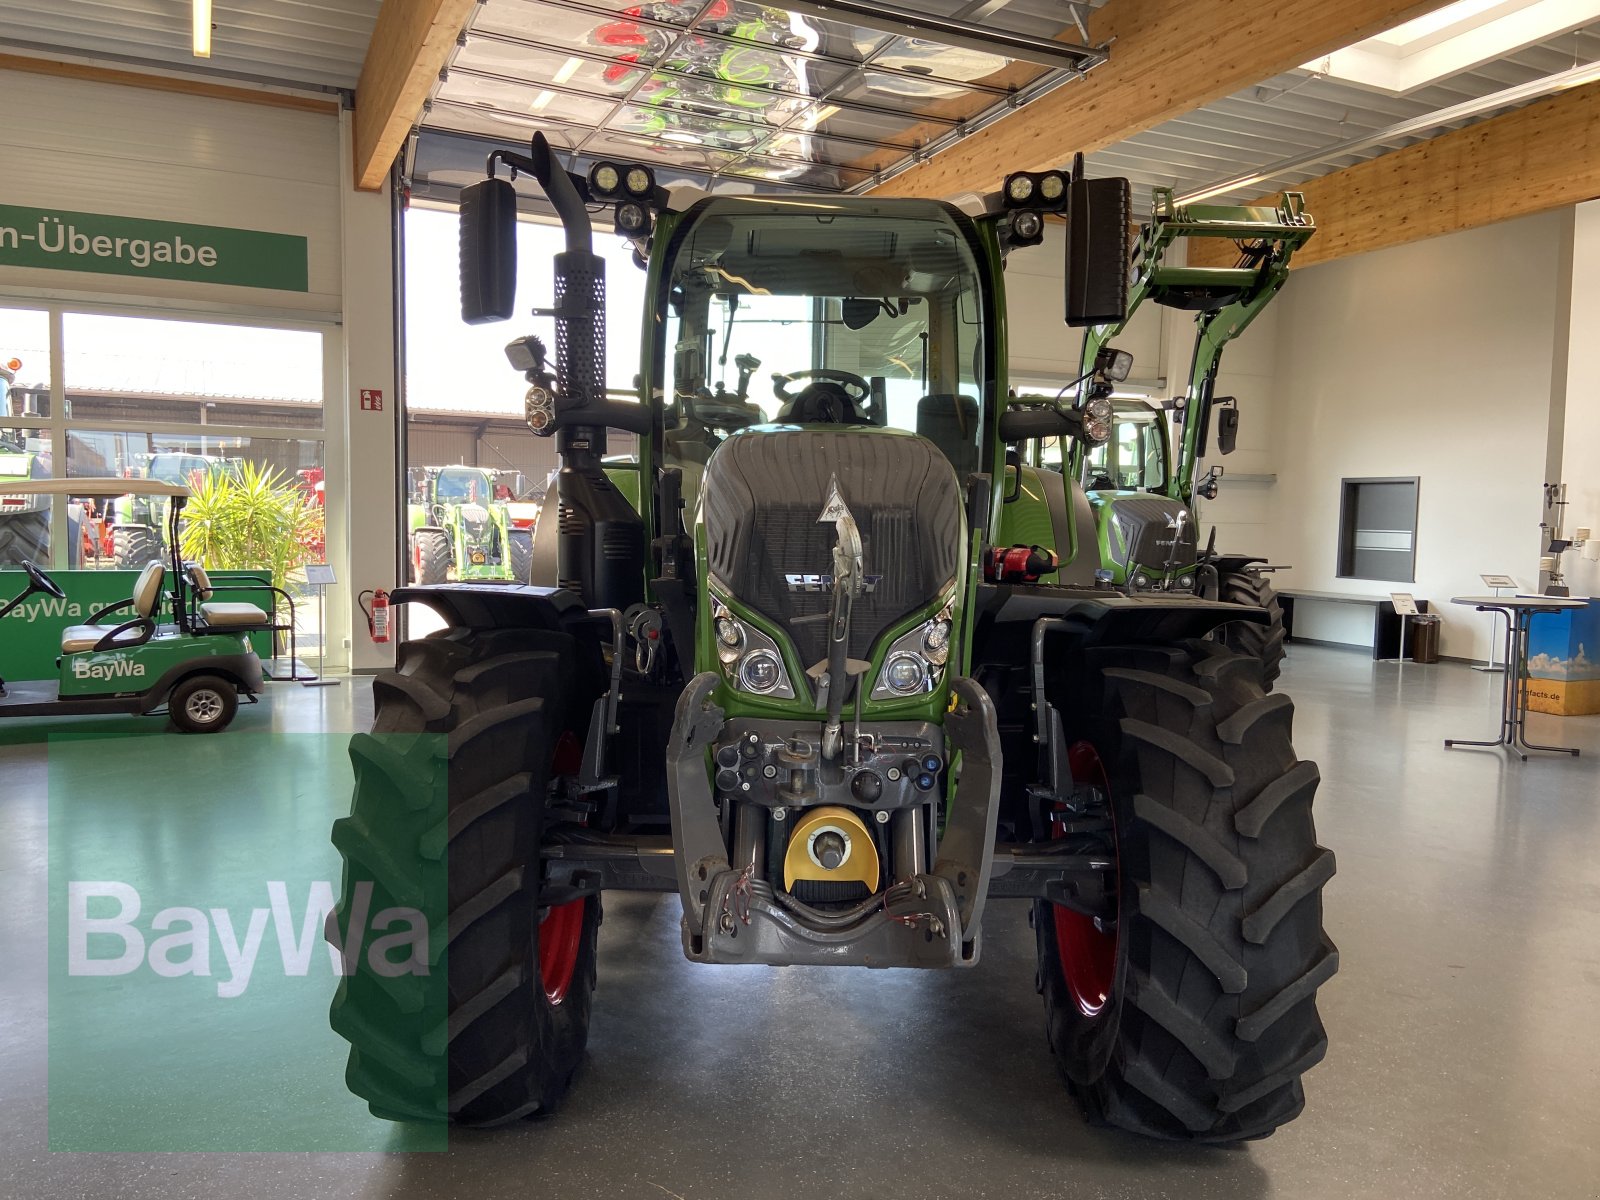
(24, 520)
(460, 521)
(786, 665)
(1142, 480)
(140, 522)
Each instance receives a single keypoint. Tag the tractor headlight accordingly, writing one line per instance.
(632, 217)
(915, 662)
(604, 179)
(1140, 580)
(750, 659)
(639, 181)
(1019, 188)
(760, 672)
(1184, 583)
(1052, 186)
(1097, 420)
(1027, 225)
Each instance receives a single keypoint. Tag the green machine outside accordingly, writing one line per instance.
(772, 662)
(24, 519)
(1142, 482)
(459, 523)
(124, 658)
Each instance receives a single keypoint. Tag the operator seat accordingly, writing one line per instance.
(222, 614)
(950, 422)
(146, 600)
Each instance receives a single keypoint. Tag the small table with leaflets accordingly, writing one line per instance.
(1519, 613)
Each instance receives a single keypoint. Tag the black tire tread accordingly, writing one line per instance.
(1262, 642)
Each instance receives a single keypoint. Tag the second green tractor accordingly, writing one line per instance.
(461, 525)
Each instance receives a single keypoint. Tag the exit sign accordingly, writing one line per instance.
(371, 400)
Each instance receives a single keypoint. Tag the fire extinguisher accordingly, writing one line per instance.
(377, 614)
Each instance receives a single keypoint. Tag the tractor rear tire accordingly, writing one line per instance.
(1265, 642)
(133, 546)
(25, 538)
(509, 1036)
(1212, 966)
(430, 556)
(521, 556)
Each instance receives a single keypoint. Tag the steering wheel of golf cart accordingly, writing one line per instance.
(858, 389)
(43, 582)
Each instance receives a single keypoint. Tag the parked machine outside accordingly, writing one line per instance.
(139, 521)
(461, 524)
(785, 664)
(24, 519)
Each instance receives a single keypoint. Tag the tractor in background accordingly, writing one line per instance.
(787, 663)
(460, 524)
(139, 522)
(1143, 482)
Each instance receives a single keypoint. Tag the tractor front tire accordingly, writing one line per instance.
(133, 546)
(25, 538)
(1208, 972)
(521, 555)
(453, 823)
(430, 556)
(1264, 642)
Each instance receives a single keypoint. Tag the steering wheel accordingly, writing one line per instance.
(848, 379)
(43, 582)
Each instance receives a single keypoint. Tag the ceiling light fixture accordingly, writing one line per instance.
(202, 28)
(567, 71)
(818, 115)
(543, 98)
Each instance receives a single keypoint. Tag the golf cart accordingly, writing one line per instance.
(122, 660)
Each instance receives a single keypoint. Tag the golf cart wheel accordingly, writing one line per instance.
(132, 546)
(506, 1037)
(521, 557)
(25, 538)
(430, 556)
(1264, 642)
(1188, 1012)
(203, 704)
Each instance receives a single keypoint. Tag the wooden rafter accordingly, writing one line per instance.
(1168, 57)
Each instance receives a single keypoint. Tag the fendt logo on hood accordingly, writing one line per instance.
(824, 583)
(116, 669)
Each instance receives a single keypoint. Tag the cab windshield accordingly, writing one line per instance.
(1135, 459)
(868, 314)
(466, 487)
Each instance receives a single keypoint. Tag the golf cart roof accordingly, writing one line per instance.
(92, 487)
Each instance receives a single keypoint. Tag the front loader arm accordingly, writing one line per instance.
(1225, 299)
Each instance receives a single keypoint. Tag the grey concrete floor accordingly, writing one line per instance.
(1465, 1055)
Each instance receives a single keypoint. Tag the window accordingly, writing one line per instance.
(1378, 529)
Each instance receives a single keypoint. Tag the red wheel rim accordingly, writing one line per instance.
(1088, 953)
(561, 931)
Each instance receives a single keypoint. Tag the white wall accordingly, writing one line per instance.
(1435, 360)
(1580, 457)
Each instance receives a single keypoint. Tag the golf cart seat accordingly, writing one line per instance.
(223, 614)
(145, 601)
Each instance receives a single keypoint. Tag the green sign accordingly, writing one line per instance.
(74, 241)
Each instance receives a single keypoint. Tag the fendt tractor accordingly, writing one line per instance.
(459, 524)
(1142, 482)
(24, 520)
(784, 665)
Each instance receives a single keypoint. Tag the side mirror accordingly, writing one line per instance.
(488, 251)
(1227, 430)
(1099, 218)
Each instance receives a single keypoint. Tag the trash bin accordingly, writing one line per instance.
(1424, 637)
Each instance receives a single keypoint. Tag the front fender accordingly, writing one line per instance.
(1115, 619)
(484, 605)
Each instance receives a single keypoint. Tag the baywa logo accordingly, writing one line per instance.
(116, 668)
(178, 941)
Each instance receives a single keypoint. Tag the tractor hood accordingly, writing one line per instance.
(764, 493)
(1148, 532)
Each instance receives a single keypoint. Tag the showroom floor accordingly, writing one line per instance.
(1465, 1057)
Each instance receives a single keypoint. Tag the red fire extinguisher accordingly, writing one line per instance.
(377, 614)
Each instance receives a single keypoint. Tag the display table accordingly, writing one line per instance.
(1519, 612)
(1386, 623)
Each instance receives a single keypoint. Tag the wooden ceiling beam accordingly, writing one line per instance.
(410, 46)
(1528, 161)
(1168, 57)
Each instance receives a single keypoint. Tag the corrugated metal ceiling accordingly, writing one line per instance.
(1299, 113)
(317, 43)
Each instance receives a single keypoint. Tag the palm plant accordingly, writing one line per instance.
(252, 519)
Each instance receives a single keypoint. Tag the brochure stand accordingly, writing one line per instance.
(1499, 583)
(319, 576)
